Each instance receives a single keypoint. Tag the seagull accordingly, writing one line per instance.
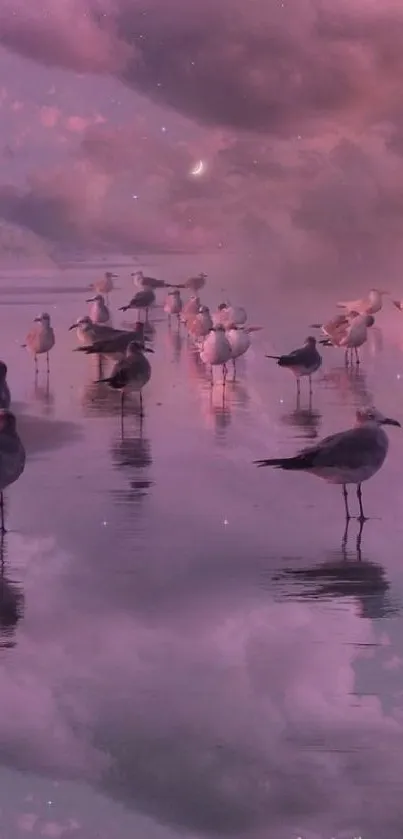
(366, 305)
(5, 396)
(40, 339)
(302, 362)
(114, 344)
(349, 457)
(133, 371)
(239, 341)
(350, 334)
(89, 332)
(398, 304)
(195, 283)
(216, 350)
(12, 456)
(227, 314)
(99, 312)
(173, 304)
(142, 300)
(200, 325)
(143, 282)
(105, 285)
(190, 308)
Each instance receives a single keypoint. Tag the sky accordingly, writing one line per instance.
(293, 106)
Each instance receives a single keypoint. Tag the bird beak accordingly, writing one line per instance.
(148, 349)
(90, 300)
(37, 320)
(388, 421)
(73, 326)
(253, 328)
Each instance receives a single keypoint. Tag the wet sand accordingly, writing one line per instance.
(188, 645)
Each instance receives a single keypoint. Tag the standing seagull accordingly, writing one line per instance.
(133, 371)
(194, 283)
(173, 305)
(302, 362)
(216, 350)
(350, 334)
(114, 344)
(227, 314)
(190, 308)
(99, 312)
(367, 305)
(5, 396)
(88, 332)
(200, 325)
(143, 282)
(12, 456)
(105, 285)
(239, 341)
(141, 300)
(349, 457)
(40, 339)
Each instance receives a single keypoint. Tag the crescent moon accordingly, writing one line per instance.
(198, 169)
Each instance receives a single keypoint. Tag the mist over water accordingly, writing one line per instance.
(190, 646)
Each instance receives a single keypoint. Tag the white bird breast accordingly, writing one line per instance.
(239, 342)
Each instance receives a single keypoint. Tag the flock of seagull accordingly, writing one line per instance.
(220, 337)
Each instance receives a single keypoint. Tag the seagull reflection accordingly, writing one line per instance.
(133, 453)
(347, 574)
(41, 393)
(11, 603)
(99, 399)
(350, 382)
(306, 419)
(175, 341)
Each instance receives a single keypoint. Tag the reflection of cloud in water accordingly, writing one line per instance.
(244, 726)
(41, 435)
(346, 574)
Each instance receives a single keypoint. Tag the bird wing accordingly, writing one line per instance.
(345, 450)
(301, 356)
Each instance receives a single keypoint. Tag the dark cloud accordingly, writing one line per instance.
(258, 68)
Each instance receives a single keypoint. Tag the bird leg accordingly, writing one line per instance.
(141, 404)
(357, 357)
(122, 402)
(234, 366)
(298, 389)
(169, 322)
(346, 357)
(147, 314)
(36, 363)
(361, 517)
(47, 362)
(345, 496)
(3, 529)
(310, 385)
(224, 374)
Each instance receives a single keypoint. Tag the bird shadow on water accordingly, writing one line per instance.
(346, 574)
(12, 601)
(42, 435)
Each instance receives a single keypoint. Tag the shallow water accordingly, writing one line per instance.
(190, 646)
